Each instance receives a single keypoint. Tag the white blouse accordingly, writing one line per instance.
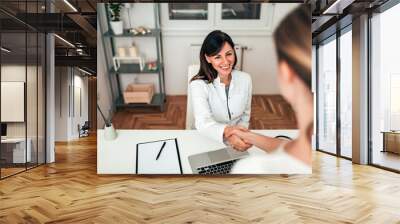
(211, 105)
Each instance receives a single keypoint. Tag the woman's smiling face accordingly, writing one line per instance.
(223, 61)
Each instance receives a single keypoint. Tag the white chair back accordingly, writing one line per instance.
(192, 71)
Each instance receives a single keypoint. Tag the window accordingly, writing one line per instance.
(241, 11)
(385, 89)
(327, 96)
(346, 93)
(184, 11)
(394, 102)
(184, 16)
(206, 16)
(244, 15)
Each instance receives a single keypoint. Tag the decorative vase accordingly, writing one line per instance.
(133, 52)
(121, 52)
(117, 27)
(110, 133)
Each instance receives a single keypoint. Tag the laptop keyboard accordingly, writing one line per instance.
(219, 168)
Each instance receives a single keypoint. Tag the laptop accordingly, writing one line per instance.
(215, 162)
(3, 131)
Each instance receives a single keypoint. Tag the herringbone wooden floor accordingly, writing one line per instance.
(70, 191)
(268, 112)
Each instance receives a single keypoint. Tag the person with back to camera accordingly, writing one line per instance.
(293, 43)
(221, 95)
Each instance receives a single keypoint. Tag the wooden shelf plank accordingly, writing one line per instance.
(153, 33)
(157, 101)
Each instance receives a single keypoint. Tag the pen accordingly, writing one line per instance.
(159, 153)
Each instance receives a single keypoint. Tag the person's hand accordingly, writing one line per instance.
(243, 134)
(237, 143)
(234, 140)
(230, 130)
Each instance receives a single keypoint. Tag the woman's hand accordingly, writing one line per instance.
(238, 144)
(234, 140)
(268, 144)
(244, 134)
(230, 130)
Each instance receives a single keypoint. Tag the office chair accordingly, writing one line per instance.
(84, 130)
(283, 137)
(192, 71)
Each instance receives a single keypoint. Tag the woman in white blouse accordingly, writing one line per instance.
(221, 95)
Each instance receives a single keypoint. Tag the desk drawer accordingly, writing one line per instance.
(6, 154)
(15, 152)
(19, 153)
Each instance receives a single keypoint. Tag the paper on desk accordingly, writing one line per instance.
(167, 163)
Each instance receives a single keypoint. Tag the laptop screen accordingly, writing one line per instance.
(3, 129)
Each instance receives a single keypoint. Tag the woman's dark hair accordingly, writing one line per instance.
(293, 42)
(211, 46)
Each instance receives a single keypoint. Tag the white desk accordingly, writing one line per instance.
(119, 156)
(19, 149)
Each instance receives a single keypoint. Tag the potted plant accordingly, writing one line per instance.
(116, 23)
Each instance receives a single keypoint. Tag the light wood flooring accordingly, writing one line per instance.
(7, 171)
(386, 159)
(70, 191)
(10, 171)
(267, 112)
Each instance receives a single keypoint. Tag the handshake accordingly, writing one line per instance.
(237, 137)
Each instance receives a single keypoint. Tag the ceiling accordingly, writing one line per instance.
(330, 15)
(73, 20)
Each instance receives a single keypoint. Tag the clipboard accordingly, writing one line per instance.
(150, 159)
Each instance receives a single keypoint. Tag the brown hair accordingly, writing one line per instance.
(211, 46)
(293, 42)
(293, 45)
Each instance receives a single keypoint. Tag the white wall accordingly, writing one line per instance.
(259, 60)
(68, 82)
(14, 73)
(33, 126)
(17, 73)
(61, 103)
